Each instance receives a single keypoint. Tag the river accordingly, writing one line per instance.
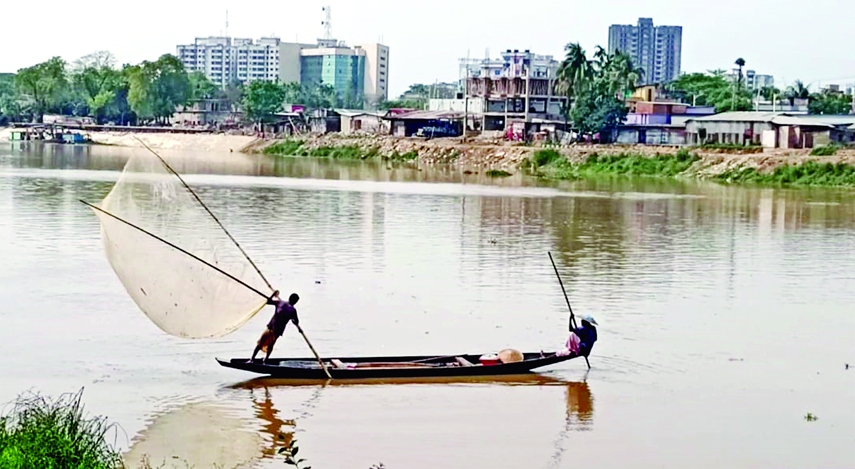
(726, 314)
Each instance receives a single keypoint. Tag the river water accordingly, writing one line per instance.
(726, 316)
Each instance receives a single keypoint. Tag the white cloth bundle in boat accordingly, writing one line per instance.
(181, 295)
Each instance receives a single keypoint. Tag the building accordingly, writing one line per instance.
(225, 61)
(753, 80)
(658, 122)
(376, 72)
(515, 91)
(771, 130)
(207, 112)
(340, 67)
(428, 124)
(362, 70)
(656, 49)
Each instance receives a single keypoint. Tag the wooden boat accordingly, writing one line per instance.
(172, 301)
(394, 367)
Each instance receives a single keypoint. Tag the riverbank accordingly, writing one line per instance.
(723, 164)
(499, 159)
(166, 141)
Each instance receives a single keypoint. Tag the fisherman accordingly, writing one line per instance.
(285, 312)
(587, 334)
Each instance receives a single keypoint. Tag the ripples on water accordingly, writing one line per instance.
(726, 313)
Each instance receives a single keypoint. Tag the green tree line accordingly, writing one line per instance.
(94, 86)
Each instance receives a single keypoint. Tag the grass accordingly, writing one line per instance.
(810, 173)
(54, 434)
(497, 173)
(285, 147)
(729, 148)
(825, 150)
(297, 148)
(408, 156)
(550, 164)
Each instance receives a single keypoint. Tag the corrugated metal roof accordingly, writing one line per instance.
(358, 112)
(747, 116)
(800, 121)
(428, 115)
(780, 118)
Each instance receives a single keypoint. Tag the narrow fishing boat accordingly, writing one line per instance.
(187, 273)
(462, 365)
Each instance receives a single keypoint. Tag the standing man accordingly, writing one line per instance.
(285, 313)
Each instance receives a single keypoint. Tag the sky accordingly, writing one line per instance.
(813, 41)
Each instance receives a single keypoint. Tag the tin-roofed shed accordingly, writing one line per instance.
(770, 129)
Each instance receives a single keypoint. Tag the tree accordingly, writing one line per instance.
(98, 85)
(156, 89)
(740, 62)
(262, 100)
(233, 94)
(575, 72)
(201, 86)
(797, 91)
(596, 88)
(711, 89)
(770, 93)
(10, 103)
(43, 84)
(830, 103)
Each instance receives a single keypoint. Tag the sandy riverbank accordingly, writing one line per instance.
(165, 141)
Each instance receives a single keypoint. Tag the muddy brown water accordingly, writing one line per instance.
(727, 314)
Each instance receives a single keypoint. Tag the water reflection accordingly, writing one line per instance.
(197, 434)
(279, 432)
(578, 401)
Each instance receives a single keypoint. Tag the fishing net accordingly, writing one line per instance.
(183, 296)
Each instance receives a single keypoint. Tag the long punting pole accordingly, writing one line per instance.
(566, 298)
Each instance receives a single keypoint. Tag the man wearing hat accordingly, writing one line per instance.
(587, 334)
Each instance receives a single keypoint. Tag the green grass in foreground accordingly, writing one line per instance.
(810, 173)
(550, 164)
(54, 434)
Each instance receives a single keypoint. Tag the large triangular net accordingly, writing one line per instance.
(181, 295)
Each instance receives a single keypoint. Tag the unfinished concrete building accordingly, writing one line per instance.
(516, 93)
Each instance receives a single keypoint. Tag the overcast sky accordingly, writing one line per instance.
(812, 41)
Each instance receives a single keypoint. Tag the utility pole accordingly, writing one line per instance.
(466, 99)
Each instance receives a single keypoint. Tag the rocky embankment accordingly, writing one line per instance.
(707, 163)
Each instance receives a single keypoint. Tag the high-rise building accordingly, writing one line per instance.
(376, 71)
(656, 49)
(361, 71)
(224, 60)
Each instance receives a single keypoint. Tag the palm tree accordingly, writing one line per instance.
(797, 91)
(740, 62)
(575, 72)
(621, 75)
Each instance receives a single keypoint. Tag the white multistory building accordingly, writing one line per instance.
(225, 60)
(362, 69)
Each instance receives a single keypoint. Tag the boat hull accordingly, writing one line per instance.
(393, 367)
